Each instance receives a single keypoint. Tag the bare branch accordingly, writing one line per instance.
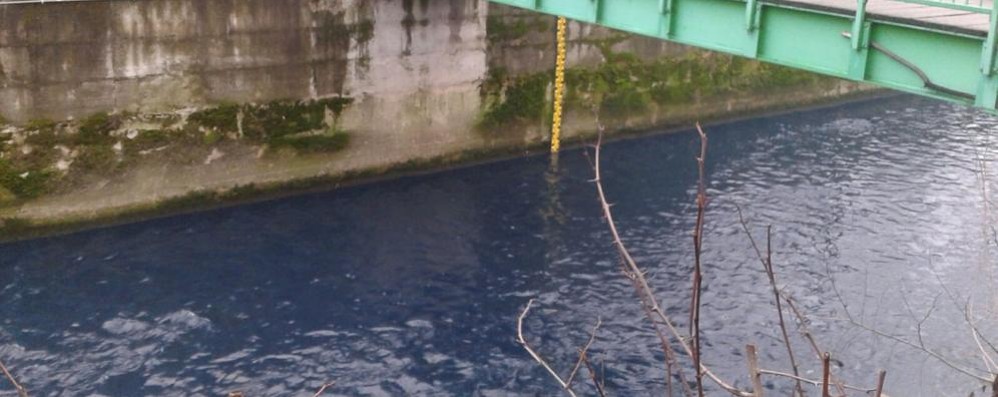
(767, 264)
(600, 387)
(989, 363)
(813, 382)
(920, 345)
(21, 391)
(926, 350)
(697, 252)
(881, 376)
(753, 368)
(825, 374)
(323, 388)
(583, 351)
(631, 270)
(534, 354)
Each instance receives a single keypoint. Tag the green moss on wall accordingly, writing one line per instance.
(326, 142)
(510, 99)
(268, 122)
(40, 125)
(148, 140)
(499, 29)
(24, 183)
(625, 85)
(58, 156)
(96, 129)
(222, 118)
(98, 159)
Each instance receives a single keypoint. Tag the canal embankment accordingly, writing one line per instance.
(114, 110)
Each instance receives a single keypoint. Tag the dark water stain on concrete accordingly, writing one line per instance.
(332, 46)
(408, 22)
(456, 18)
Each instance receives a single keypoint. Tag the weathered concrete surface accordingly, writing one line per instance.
(416, 72)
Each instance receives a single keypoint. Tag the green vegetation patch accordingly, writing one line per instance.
(24, 183)
(327, 142)
(147, 140)
(222, 118)
(514, 99)
(499, 29)
(40, 125)
(278, 118)
(95, 159)
(96, 129)
(6, 196)
(624, 85)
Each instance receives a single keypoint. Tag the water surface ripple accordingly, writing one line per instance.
(412, 286)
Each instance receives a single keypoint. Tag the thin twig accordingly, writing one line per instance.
(21, 391)
(881, 376)
(631, 270)
(600, 387)
(583, 351)
(926, 350)
(697, 251)
(806, 332)
(989, 363)
(813, 382)
(767, 264)
(323, 388)
(753, 367)
(534, 354)
(825, 374)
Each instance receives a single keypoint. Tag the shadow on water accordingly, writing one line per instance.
(412, 286)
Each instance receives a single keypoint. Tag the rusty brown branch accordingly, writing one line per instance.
(697, 252)
(881, 376)
(656, 315)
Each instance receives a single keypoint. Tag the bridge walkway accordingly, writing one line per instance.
(959, 21)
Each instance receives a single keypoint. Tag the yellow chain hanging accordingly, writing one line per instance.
(559, 87)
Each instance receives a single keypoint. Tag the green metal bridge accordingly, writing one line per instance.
(936, 48)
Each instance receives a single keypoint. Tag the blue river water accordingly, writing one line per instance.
(413, 286)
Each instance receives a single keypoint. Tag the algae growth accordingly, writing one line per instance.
(44, 156)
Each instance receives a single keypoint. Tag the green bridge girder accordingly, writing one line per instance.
(948, 64)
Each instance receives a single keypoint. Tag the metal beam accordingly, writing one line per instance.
(947, 65)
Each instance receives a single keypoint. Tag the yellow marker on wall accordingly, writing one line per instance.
(559, 86)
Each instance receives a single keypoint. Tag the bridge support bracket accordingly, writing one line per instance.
(753, 20)
(858, 58)
(751, 14)
(859, 40)
(665, 12)
(987, 88)
(597, 11)
(858, 24)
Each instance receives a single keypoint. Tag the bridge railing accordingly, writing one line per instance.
(978, 6)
